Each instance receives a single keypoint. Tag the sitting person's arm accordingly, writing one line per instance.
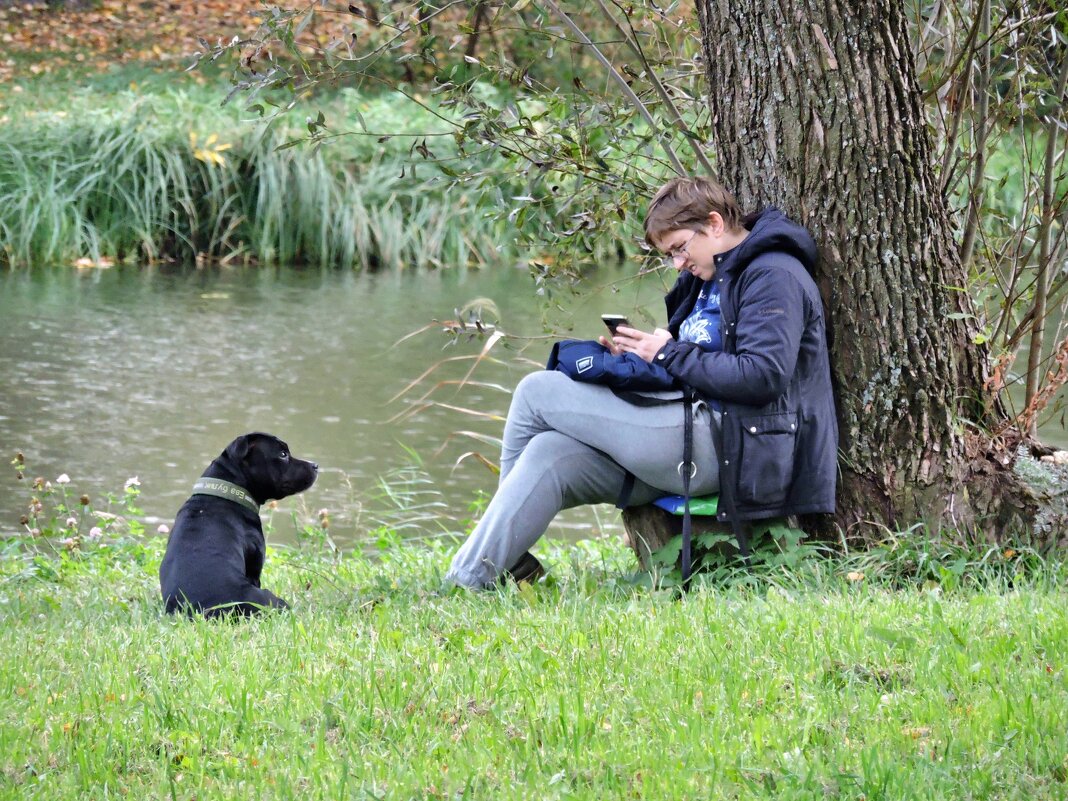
(767, 341)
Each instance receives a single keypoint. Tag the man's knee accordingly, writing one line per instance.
(539, 383)
(581, 474)
(550, 447)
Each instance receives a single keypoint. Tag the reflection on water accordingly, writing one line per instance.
(150, 372)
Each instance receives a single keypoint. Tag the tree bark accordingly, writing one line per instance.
(816, 109)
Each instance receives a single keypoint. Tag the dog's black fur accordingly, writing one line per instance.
(215, 551)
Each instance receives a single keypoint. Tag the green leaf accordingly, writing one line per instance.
(711, 539)
(668, 554)
(890, 636)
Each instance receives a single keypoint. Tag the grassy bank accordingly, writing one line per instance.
(790, 684)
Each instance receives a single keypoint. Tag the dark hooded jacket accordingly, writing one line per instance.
(779, 439)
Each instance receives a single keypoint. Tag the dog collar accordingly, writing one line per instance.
(224, 489)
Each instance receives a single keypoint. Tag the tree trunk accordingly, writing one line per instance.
(816, 109)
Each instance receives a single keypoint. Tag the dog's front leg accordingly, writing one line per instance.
(254, 554)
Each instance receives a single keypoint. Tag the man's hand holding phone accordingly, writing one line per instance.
(626, 339)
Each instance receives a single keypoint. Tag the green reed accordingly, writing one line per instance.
(171, 176)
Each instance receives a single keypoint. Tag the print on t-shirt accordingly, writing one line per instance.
(702, 326)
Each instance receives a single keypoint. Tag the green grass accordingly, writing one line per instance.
(786, 684)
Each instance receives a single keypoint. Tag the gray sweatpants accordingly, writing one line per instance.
(567, 444)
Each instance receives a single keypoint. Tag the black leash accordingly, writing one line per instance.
(687, 468)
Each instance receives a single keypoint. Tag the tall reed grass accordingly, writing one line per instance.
(170, 176)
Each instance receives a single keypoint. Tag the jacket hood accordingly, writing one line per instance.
(770, 231)
(773, 231)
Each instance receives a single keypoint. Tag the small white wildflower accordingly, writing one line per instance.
(72, 522)
(63, 479)
(134, 481)
(96, 533)
(163, 529)
(69, 543)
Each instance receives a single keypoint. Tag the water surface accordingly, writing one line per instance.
(111, 374)
(149, 372)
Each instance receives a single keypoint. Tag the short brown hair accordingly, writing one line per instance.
(686, 203)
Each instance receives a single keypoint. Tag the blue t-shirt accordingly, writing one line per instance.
(702, 326)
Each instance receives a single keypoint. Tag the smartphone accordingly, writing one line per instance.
(614, 320)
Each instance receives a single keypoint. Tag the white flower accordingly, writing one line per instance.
(163, 529)
(96, 533)
(63, 479)
(132, 482)
(72, 522)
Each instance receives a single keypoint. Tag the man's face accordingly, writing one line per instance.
(685, 250)
(695, 251)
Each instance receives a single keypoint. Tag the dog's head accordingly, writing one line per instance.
(267, 468)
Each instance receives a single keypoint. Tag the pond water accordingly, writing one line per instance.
(150, 372)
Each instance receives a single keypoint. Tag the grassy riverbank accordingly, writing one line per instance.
(808, 683)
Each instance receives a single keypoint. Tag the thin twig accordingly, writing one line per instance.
(660, 90)
(623, 85)
(982, 126)
(1038, 330)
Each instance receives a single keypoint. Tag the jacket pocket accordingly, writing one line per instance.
(766, 466)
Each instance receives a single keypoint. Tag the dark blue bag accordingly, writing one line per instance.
(591, 362)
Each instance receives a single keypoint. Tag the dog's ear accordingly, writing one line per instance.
(239, 448)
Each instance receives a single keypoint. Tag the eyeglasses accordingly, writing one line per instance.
(681, 252)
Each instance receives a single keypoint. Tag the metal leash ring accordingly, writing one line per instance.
(693, 468)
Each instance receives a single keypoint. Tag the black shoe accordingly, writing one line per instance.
(528, 568)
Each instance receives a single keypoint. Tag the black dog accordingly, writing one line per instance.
(215, 551)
